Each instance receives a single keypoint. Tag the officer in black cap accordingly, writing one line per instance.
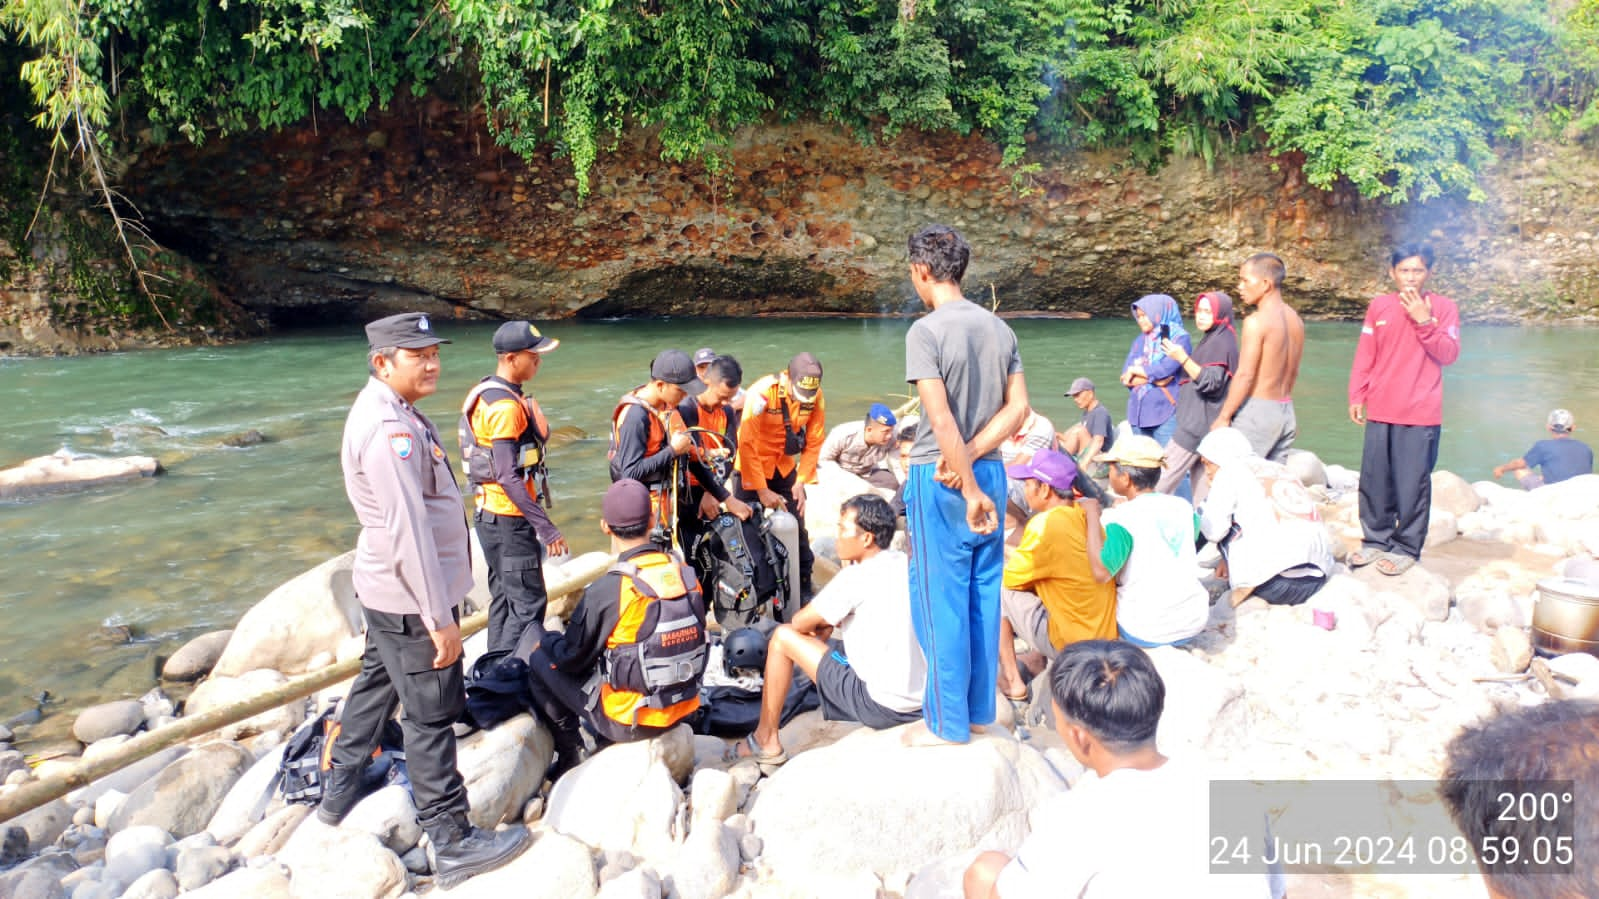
(411, 570)
(502, 438)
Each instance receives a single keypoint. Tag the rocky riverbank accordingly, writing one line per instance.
(1264, 693)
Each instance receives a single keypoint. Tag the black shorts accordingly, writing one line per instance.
(844, 696)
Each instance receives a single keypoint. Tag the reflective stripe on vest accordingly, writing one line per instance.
(655, 656)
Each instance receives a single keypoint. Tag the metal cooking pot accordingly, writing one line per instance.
(1565, 617)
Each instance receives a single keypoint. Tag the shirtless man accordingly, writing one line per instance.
(1260, 402)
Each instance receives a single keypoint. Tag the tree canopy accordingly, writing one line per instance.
(1403, 98)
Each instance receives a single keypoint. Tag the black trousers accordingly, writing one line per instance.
(766, 584)
(565, 703)
(1396, 485)
(516, 576)
(397, 669)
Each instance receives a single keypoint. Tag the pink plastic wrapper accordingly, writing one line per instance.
(1326, 619)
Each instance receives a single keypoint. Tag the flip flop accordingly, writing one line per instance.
(1362, 557)
(1394, 564)
(767, 762)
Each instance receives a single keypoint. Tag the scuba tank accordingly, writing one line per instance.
(785, 528)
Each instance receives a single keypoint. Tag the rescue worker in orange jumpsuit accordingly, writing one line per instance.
(779, 442)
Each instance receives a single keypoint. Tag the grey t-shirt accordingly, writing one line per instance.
(1097, 421)
(974, 353)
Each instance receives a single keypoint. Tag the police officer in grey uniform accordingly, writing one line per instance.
(411, 571)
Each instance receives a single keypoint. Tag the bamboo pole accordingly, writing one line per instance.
(574, 576)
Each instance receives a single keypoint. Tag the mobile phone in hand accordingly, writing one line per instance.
(1165, 332)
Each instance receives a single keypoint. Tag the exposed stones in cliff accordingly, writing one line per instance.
(418, 209)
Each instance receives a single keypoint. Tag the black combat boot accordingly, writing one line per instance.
(570, 751)
(341, 790)
(461, 851)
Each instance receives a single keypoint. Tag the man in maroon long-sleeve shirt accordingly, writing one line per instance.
(1396, 389)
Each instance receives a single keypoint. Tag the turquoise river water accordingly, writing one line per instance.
(174, 556)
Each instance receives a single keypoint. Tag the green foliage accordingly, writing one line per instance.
(1404, 99)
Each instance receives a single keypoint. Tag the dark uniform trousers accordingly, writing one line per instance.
(397, 668)
(568, 701)
(765, 580)
(1396, 485)
(516, 576)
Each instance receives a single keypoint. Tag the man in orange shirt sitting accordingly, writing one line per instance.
(1056, 592)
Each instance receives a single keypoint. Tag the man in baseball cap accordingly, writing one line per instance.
(862, 448)
(406, 331)
(520, 336)
(1055, 590)
(411, 571)
(648, 434)
(1092, 435)
(503, 432)
(577, 678)
(1560, 457)
(779, 444)
(1149, 548)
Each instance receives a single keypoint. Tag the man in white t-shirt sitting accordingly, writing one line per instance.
(1149, 549)
(870, 669)
(1136, 824)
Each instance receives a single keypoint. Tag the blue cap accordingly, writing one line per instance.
(881, 414)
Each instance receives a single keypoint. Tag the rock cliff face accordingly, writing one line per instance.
(418, 209)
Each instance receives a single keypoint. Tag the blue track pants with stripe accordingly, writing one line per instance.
(955, 580)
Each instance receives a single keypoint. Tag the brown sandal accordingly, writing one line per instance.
(1395, 564)
(1362, 557)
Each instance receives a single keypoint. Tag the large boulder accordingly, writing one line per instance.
(196, 658)
(136, 851)
(1454, 494)
(108, 719)
(706, 866)
(556, 867)
(44, 824)
(246, 803)
(246, 883)
(390, 815)
(128, 779)
(223, 690)
(183, 797)
(308, 615)
(64, 471)
(623, 799)
(1572, 499)
(340, 863)
(273, 832)
(1425, 591)
(1201, 702)
(503, 767)
(869, 804)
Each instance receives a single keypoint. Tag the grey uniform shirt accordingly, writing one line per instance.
(974, 353)
(411, 557)
(847, 448)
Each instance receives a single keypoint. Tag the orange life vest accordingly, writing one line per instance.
(655, 657)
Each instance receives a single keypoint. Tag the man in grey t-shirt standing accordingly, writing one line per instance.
(968, 375)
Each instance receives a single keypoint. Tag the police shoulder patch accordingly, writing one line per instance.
(402, 444)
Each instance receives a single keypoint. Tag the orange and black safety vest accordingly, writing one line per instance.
(655, 657)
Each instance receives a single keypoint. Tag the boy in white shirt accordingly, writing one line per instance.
(1138, 824)
(1149, 549)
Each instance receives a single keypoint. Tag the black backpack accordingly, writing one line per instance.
(727, 569)
(308, 755)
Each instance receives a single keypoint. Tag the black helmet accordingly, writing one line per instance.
(744, 648)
